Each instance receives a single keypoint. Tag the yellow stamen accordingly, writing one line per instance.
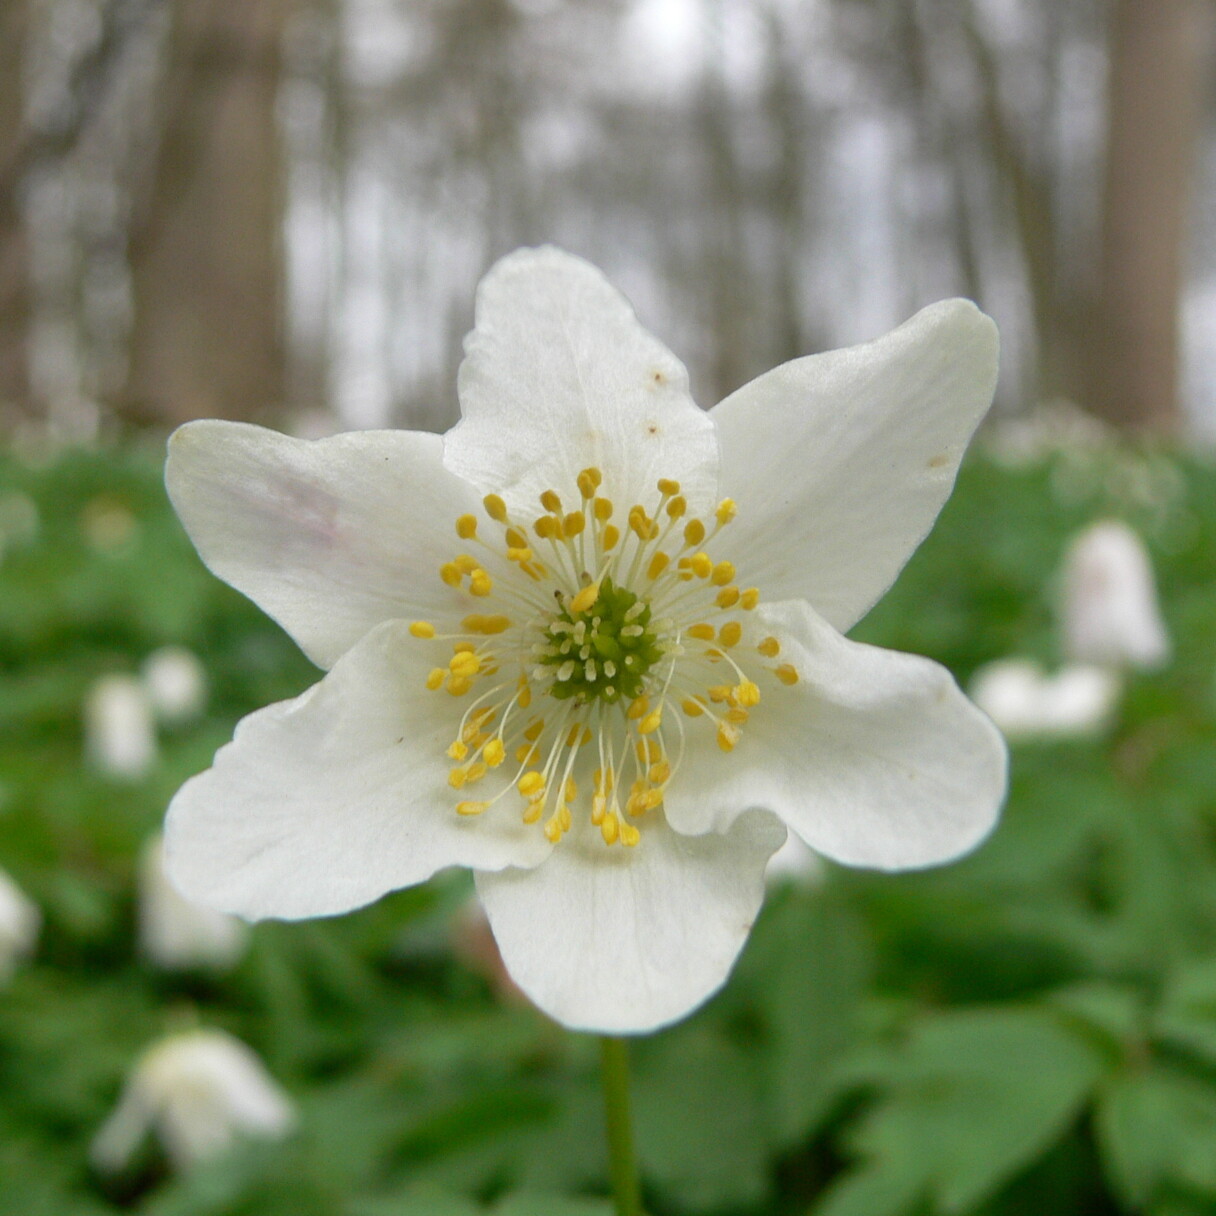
(726, 511)
(436, 678)
(667, 486)
(471, 808)
(658, 564)
(747, 693)
(770, 648)
(574, 523)
(723, 573)
(694, 532)
(585, 598)
(638, 707)
(787, 673)
(603, 509)
(630, 835)
(466, 527)
(701, 565)
(480, 583)
(496, 509)
(730, 633)
(464, 664)
(749, 599)
(728, 597)
(551, 502)
(495, 753)
(450, 573)
(611, 535)
(422, 629)
(728, 736)
(702, 632)
(531, 784)
(457, 750)
(692, 707)
(651, 722)
(610, 828)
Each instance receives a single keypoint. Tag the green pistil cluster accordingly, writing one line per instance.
(603, 653)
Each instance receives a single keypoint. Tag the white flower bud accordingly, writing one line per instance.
(20, 921)
(1110, 613)
(1025, 702)
(175, 683)
(119, 738)
(196, 1092)
(176, 933)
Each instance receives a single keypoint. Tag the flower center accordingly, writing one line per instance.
(603, 641)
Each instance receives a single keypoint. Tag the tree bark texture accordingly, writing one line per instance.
(209, 338)
(1159, 60)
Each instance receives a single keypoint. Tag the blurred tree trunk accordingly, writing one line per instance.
(208, 336)
(1159, 55)
(14, 276)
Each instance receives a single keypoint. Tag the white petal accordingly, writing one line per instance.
(840, 462)
(326, 802)
(619, 940)
(558, 375)
(329, 536)
(874, 758)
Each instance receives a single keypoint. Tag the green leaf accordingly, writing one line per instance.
(521, 1204)
(971, 1099)
(1187, 1017)
(1155, 1127)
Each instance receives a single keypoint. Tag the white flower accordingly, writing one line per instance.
(175, 932)
(795, 863)
(175, 683)
(118, 732)
(1110, 613)
(196, 1092)
(20, 922)
(588, 643)
(1025, 702)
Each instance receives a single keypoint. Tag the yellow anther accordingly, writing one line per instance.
(534, 811)
(436, 677)
(525, 753)
(610, 536)
(470, 808)
(422, 629)
(473, 623)
(642, 524)
(585, 598)
(520, 555)
(737, 715)
(574, 523)
(545, 527)
(466, 527)
(747, 693)
(677, 507)
(457, 778)
(730, 633)
(723, 573)
(702, 632)
(480, 583)
(551, 502)
(589, 481)
(572, 734)
(457, 750)
(659, 773)
(651, 722)
(553, 829)
(466, 563)
(463, 647)
(450, 573)
(495, 624)
(496, 509)
(610, 828)
(667, 486)
(535, 730)
(728, 597)
(749, 599)
(694, 532)
(563, 816)
(599, 807)
(770, 648)
(630, 835)
(728, 736)
(516, 538)
(721, 692)
(476, 772)
(692, 707)
(726, 511)
(658, 564)
(603, 509)
(569, 790)
(701, 565)
(787, 673)
(464, 664)
(525, 696)
(638, 707)
(531, 784)
(459, 685)
(495, 753)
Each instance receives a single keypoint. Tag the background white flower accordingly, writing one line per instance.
(588, 644)
(20, 922)
(196, 1092)
(119, 736)
(1110, 613)
(176, 683)
(175, 932)
(1026, 702)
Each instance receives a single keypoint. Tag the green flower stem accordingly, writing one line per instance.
(621, 1159)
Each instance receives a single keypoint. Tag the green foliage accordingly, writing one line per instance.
(1029, 1032)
